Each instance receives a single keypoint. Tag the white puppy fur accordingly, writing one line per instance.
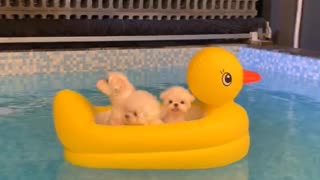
(142, 108)
(176, 103)
(118, 88)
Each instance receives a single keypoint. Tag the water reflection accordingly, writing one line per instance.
(237, 171)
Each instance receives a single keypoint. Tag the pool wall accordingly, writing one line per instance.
(92, 60)
(41, 64)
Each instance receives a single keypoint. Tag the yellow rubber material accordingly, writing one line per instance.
(194, 143)
(221, 137)
(191, 159)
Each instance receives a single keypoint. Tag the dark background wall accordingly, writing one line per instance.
(282, 14)
(310, 31)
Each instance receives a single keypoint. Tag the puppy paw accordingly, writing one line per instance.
(102, 118)
(115, 122)
(102, 86)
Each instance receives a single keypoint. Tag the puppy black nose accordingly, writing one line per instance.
(176, 104)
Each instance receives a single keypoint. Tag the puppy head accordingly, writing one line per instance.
(116, 84)
(177, 99)
(141, 108)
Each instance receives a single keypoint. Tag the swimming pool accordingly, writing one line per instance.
(284, 109)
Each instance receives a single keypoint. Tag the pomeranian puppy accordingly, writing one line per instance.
(176, 104)
(118, 88)
(141, 108)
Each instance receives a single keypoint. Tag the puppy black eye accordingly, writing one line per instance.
(170, 101)
(107, 80)
(135, 114)
(182, 102)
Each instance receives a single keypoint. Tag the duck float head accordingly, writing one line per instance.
(215, 76)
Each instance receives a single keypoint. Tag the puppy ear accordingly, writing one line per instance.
(191, 97)
(110, 75)
(163, 95)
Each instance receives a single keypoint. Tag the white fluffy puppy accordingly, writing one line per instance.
(177, 102)
(118, 88)
(141, 108)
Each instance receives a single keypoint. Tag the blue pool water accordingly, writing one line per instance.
(284, 125)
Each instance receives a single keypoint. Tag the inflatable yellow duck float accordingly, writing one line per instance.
(218, 138)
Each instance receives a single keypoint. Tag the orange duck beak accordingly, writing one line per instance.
(250, 77)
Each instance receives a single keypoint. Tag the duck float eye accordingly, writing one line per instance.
(226, 79)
